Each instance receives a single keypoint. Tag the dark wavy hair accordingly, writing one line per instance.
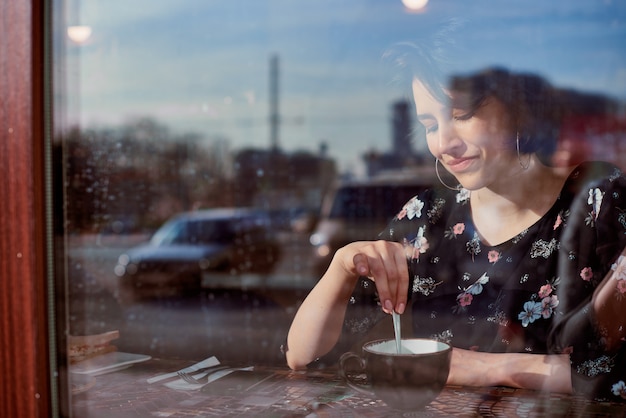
(529, 99)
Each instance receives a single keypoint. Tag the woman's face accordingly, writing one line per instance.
(476, 145)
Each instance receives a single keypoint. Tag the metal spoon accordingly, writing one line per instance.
(396, 329)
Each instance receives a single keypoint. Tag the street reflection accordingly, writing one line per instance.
(240, 318)
(230, 288)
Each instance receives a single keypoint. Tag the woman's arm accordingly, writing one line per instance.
(528, 371)
(589, 315)
(609, 305)
(318, 323)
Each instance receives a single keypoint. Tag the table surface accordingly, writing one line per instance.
(126, 393)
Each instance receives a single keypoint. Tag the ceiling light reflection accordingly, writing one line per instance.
(415, 5)
(79, 34)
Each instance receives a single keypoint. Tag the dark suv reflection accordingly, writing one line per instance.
(360, 210)
(191, 246)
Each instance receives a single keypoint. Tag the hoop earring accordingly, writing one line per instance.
(519, 158)
(457, 188)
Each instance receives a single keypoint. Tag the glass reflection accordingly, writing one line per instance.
(184, 107)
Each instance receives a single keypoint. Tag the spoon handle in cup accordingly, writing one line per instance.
(397, 330)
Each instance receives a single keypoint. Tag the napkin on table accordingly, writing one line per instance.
(180, 384)
(208, 362)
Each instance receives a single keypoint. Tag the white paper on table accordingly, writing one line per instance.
(208, 362)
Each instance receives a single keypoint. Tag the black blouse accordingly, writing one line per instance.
(513, 297)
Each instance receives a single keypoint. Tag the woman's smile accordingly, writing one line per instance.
(459, 165)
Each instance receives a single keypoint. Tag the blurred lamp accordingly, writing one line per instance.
(79, 34)
(414, 4)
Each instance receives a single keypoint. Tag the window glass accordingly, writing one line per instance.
(196, 109)
(367, 203)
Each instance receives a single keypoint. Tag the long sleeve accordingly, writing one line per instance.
(594, 237)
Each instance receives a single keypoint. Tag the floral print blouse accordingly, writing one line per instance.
(511, 297)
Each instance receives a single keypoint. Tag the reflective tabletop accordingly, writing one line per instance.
(280, 392)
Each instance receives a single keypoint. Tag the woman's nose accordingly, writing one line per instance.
(448, 139)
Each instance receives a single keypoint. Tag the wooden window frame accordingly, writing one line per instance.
(26, 388)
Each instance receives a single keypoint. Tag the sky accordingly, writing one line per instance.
(202, 66)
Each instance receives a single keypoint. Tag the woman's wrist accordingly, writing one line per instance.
(471, 368)
(518, 370)
(340, 276)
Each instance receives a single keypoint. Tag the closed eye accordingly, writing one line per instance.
(431, 128)
(463, 116)
(429, 123)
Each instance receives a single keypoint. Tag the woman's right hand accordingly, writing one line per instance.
(317, 325)
(385, 263)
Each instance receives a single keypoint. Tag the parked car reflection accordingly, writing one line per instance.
(192, 244)
(360, 210)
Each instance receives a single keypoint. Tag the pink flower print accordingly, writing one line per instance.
(558, 222)
(401, 214)
(548, 304)
(586, 274)
(454, 231)
(493, 256)
(545, 291)
(621, 286)
(464, 299)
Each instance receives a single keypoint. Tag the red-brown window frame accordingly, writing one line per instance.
(25, 388)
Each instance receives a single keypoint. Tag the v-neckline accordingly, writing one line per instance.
(510, 242)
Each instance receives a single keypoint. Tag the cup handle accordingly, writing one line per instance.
(360, 387)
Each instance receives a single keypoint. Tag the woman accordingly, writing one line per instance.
(483, 255)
